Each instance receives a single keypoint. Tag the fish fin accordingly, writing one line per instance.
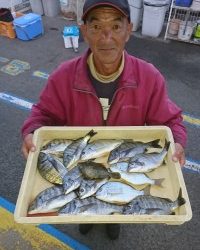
(91, 133)
(115, 175)
(153, 211)
(181, 200)
(158, 182)
(90, 161)
(124, 159)
(128, 140)
(86, 207)
(155, 143)
(147, 190)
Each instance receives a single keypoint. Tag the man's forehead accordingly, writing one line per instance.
(105, 13)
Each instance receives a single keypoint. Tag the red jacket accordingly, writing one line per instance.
(141, 99)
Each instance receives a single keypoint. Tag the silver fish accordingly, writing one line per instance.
(147, 162)
(72, 180)
(118, 193)
(47, 168)
(52, 204)
(49, 193)
(90, 206)
(129, 149)
(99, 148)
(93, 170)
(56, 147)
(89, 187)
(59, 166)
(134, 178)
(73, 152)
(146, 204)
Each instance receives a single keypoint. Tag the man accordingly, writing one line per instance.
(106, 86)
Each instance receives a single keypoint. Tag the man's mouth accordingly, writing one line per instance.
(106, 49)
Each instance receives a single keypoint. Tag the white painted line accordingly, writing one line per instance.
(16, 101)
(3, 59)
(192, 165)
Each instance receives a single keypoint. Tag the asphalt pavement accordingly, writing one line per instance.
(180, 64)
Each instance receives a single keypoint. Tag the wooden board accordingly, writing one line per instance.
(33, 183)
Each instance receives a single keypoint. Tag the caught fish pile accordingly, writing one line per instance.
(82, 185)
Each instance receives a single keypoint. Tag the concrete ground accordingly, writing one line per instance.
(179, 63)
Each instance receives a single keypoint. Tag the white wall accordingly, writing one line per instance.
(12, 3)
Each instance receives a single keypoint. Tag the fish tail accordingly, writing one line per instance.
(146, 190)
(158, 182)
(181, 200)
(167, 144)
(155, 143)
(91, 133)
(115, 175)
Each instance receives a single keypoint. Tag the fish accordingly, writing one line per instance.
(130, 148)
(93, 170)
(73, 152)
(59, 166)
(47, 168)
(89, 206)
(148, 162)
(89, 187)
(134, 178)
(56, 147)
(44, 203)
(72, 180)
(99, 148)
(118, 193)
(147, 204)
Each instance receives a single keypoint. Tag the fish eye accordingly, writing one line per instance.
(82, 190)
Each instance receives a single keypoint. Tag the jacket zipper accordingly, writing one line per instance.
(119, 89)
(89, 92)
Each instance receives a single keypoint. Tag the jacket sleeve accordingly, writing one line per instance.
(162, 111)
(49, 111)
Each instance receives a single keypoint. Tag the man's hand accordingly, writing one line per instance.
(28, 145)
(179, 154)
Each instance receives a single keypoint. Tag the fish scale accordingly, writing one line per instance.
(147, 204)
(119, 193)
(147, 162)
(89, 206)
(99, 148)
(47, 169)
(73, 152)
(130, 148)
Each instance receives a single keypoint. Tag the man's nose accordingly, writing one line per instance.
(107, 33)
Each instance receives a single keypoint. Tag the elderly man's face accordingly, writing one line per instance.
(106, 31)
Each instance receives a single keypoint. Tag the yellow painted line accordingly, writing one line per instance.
(192, 120)
(25, 235)
(42, 236)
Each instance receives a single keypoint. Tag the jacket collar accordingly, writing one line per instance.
(82, 81)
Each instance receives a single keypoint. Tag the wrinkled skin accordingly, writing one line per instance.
(106, 31)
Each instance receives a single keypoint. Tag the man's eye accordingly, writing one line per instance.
(116, 27)
(96, 26)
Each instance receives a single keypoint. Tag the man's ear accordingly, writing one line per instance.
(129, 31)
(83, 29)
